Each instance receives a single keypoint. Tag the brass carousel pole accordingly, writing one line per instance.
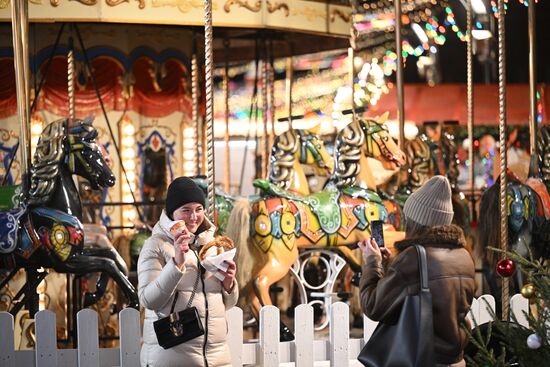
(265, 109)
(399, 74)
(209, 68)
(271, 94)
(70, 75)
(470, 92)
(195, 98)
(351, 55)
(289, 72)
(533, 166)
(20, 26)
(227, 180)
(503, 158)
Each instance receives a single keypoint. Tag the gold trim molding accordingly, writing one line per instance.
(243, 4)
(308, 13)
(184, 6)
(345, 16)
(272, 8)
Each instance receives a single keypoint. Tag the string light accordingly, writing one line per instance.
(128, 152)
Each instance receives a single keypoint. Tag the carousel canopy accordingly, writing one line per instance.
(294, 26)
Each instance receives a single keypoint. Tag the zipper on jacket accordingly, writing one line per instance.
(206, 318)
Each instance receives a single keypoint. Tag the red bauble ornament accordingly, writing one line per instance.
(506, 268)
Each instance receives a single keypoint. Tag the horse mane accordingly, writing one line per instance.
(349, 143)
(45, 167)
(283, 157)
(543, 147)
(419, 162)
(489, 223)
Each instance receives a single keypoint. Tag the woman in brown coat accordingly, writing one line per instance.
(428, 215)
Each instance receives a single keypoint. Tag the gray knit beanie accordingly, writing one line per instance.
(431, 204)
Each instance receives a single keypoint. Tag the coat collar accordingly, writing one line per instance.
(450, 236)
(165, 223)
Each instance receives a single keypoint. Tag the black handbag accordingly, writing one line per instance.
(410, 341)
(179, 327)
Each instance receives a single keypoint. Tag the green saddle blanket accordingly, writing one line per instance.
(323, 204)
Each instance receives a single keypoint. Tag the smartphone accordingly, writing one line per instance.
(377, 232)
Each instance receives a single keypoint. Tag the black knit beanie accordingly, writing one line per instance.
(181, 191)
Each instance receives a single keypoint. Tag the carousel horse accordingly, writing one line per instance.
(421, 166)
(269, 231)
(47, 231)
(293, 149)
(528, 206)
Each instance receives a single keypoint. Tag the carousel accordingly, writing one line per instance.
(115, 99)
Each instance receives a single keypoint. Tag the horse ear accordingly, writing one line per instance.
(315, 129)
(91, 135)
(384, 117)
(88, 120)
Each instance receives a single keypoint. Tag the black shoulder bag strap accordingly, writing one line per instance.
(192, 293)
(423, 268)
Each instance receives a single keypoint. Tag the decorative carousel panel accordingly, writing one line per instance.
(296, 15)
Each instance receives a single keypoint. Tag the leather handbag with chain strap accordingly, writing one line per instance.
(410, 341)
(179, 327)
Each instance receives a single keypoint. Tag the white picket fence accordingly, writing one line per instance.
(339, 350)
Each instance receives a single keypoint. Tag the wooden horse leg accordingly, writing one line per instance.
(274, 270)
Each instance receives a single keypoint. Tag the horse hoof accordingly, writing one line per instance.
(89, 299)
(285, 335)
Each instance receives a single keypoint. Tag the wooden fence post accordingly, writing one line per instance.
(234, 318)
(130, 331)
(269, 336)
(339, 335)
(46, 339)
(88, 342)
(519, 305)
(7, 349)
(303, 326)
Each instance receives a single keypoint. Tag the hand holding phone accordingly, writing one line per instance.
(377, 232)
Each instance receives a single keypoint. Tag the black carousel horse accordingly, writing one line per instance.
(528, 207)
(47, 232)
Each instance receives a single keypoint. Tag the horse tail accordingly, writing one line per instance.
(489, 225)
(238, 229)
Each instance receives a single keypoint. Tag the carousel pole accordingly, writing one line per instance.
(20, 26)
(227, 181)
(209, 68)
(533, 166)
(265, 109)
(271, 94)
(195, 98)
(399, 74)
(470, 92)
(70, 74)
(503, 158)
(289, 72)
(351, 55)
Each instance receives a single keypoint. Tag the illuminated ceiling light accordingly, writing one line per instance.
(481, 34)
(420, 33)
(479, 7)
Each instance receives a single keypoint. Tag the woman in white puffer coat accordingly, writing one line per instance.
(169, 264)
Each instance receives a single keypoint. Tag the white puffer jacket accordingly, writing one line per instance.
(159, 278)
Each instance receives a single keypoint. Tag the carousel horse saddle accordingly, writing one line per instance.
(325, 204)
(362, 193)
(9, 225)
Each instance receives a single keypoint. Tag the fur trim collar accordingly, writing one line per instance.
(450, 236)
(164, 224)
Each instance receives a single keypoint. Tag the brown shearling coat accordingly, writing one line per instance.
(451, 275)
